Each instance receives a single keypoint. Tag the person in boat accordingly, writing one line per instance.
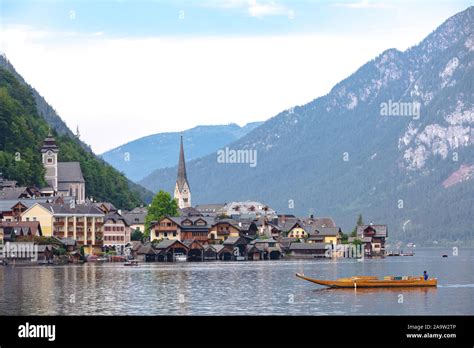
(425, 275)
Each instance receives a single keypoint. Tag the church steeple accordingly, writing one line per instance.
(182, 178)
(182, 191)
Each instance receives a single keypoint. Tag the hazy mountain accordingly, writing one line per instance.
(142, 156)
(339, 155)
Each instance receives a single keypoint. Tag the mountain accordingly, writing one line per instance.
(25, 119)
(140, 157)
(341, 154)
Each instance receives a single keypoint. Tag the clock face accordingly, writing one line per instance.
(50, 153)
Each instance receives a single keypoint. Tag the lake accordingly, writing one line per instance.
(238, 288)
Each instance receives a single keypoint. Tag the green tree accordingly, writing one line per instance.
(162, 205)
(360, 222)
(137, 235)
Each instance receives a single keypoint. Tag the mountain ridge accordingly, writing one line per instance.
(300, 151)
(138, 158)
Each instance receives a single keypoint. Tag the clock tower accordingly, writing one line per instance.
(49, 152)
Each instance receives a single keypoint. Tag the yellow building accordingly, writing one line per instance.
(40, 212)
(81, 222)
(297, 231)
(327, 235)
(222, 229)
(166, 228)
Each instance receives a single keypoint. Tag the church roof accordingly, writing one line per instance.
(182, 177)
(49, 143)
(70, 172)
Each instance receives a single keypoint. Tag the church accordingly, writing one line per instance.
(182, 191)
(64, 179)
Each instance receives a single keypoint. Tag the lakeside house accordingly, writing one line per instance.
(136, 218)
(9, 231)
(182, 228)
(307, 250)
(328, 235)
(373, 238)
(117, 232)
(82, 222)
(223, 229)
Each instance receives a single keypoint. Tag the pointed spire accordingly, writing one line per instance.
(182, 177)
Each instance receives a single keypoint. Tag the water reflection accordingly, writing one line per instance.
(235, 288)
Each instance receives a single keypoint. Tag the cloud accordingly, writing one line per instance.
(120, 88)
(364, 4)
(252, 8)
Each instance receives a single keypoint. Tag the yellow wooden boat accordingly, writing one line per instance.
(373, 282)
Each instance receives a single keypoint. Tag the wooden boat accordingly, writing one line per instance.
(131, 263)
(372, 282)
(180, 257)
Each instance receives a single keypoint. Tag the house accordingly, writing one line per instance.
(373, 237)
(182, 228)
(195, 250)
(69, 244)
(319, 221)
(263, 249)
(45, 253)
(136, 218)
(307, 250)
(211, 251)
(296, 230)
(248, 228)
(11, 230)
(82, 222)
(196, 228)
(328, 235)
(222, 229)
(12, 210)
(247, 208)
(269, 228)
(167, 249)
(134, 247)
(106, 207)
(236, 246)
(146, 253)
(285, 243)
(117, 232)
(209, 209)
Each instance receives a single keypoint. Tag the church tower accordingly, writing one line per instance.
(182, 191)
(49, 152)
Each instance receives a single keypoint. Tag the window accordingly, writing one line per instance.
(174, 234)
(165, 234)
(50, 160)
(34, 218)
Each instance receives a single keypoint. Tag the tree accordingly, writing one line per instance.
(360, 222)
(137, 235)
(162, 205)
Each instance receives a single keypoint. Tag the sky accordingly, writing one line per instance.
(121, 70)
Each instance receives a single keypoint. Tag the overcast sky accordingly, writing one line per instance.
(121, 70)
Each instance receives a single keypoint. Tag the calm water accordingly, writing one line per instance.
(237, 288)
